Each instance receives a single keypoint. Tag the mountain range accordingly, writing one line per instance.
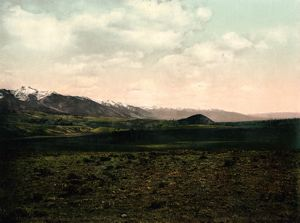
(30, 99)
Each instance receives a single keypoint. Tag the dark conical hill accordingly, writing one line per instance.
(196, 119)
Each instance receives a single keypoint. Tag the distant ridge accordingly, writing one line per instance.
(277, 115)
(30, 99)
(213, 114)
(217, 115)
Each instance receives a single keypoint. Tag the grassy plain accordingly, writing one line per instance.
(58, 168)
(169, 186)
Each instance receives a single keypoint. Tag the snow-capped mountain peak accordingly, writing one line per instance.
(24, 92)
(112, 103)
(30, 99)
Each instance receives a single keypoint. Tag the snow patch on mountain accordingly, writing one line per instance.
(112, 103)
(43, 94)
(24, 93)
(1, 95)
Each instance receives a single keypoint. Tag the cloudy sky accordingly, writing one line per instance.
(237, 55)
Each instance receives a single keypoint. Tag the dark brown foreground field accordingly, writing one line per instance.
(174, 186)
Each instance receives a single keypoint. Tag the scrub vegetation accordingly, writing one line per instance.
(61, 168)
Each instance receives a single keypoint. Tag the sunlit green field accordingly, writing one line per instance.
(100, 133)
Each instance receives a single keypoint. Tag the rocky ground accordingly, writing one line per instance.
(174, 186)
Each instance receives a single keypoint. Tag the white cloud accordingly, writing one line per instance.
(208, 52)
(205, 61)
(279, 35)
(152, 39)
(37, 32)
(145, 25)
(167, 12)
(287, 37)
(195, 58)
(89, 21)
(97, 65)
(236, 42)
(194, 69)
(161, 24)
(204, 13)
(261, 45)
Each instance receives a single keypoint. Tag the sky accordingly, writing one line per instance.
(236, 55)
